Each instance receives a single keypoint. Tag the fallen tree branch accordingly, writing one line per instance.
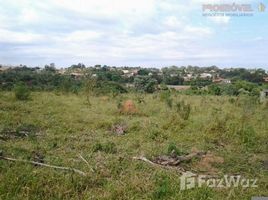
(45, 165)
(174, 160)
(86, 162)
(180, 170)
(176, 167)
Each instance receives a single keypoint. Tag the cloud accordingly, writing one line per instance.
(220, 19)
(81, 36)
(121, 32)
(7, 36)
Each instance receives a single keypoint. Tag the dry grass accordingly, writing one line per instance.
(236, 132)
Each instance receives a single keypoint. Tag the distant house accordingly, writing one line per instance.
(130, 73)
(125, 71)
(188, 77)
(221, 81)
(205, 75)
(265, 79)
(135, 71)
(76, 75)
(179, 87)
(3, 68)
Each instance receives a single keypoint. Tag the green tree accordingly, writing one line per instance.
(145, 84)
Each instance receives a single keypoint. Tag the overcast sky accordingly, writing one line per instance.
(148, 33)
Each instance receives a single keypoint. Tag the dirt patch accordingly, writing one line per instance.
(22, 131)
(207, 162)
(128, 107)
(104, 98)
(119, 129)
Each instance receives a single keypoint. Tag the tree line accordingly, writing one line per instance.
(104, 80)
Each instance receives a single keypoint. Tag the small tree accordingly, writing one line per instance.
(90, 84)
(145, 84)
(22, 92)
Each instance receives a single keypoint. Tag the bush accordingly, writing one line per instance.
(163, 188)
(165, 95)
(108, 87)
(169, 102)
(247, 136)
(183, 109)
(173, 149)
(22, 92)
(145, 84)
(214, 89)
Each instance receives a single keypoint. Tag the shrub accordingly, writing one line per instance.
(169, 102)
(22, 92)
(165, 95)
(231, 100)
(145, 84)
(214, 89)
(163, 188)
(183, 109)
(140, 99)
(248, 136)
(109, 87)
(156, 134)
(173, 149)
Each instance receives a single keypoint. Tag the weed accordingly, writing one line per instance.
(169, 102)
(163, 188)
(248, 137)
(108, 147)
(174, 150)
(183, 110)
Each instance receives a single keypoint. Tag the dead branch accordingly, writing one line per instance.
(144, 159)
(45, 165)
(86, 162)
(174, 160)
(167, 165)
(191, 156)
(180, 170)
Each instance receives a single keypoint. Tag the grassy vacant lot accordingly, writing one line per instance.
(60, 127)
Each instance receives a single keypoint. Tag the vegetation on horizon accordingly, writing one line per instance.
(120, 80)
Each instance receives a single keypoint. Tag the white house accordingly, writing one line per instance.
(205, 75)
